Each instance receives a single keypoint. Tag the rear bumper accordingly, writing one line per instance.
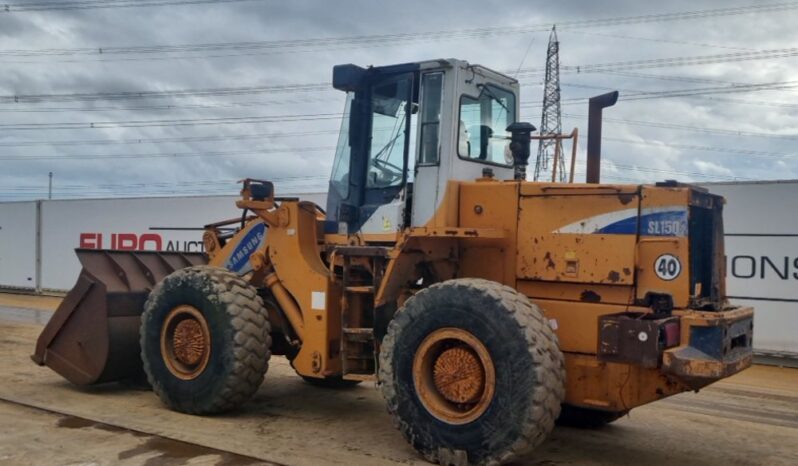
(714, 345)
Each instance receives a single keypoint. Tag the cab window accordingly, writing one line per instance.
(390, 103)
(483, 120)
(431, 96)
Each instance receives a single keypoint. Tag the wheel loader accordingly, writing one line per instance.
(484, 306)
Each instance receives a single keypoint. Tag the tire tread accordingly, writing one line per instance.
(542, 344)
(250, 343)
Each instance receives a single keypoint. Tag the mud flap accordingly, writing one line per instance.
(93, 336)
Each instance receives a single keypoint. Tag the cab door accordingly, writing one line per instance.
(386, 176)
(426, 188)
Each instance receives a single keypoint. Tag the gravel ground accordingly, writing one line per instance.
(751, 418)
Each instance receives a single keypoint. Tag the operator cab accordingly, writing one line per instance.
(407, 130)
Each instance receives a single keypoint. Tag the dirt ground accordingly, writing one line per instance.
(749, 419)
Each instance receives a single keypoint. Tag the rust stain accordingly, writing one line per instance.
(614, 276)
(590, 296)
(549, 261)
(626, 198)
(626, 271)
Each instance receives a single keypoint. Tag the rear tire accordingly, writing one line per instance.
(204, 340)
(480, 334)
(586, 418)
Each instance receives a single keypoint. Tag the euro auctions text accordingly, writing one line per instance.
(137, 242)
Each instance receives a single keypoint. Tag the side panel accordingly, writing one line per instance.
(570, 237)
(18, 245)
(663, 264)
(494, 206)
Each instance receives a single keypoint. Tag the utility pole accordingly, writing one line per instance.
(50, 187)
(551, 119)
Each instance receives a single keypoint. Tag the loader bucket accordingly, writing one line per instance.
(93, 336)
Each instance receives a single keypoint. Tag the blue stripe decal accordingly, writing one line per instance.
(627, 226)
(667, 223)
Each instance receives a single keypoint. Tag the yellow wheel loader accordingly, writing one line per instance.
(485, 307)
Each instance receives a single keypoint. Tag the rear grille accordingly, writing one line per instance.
(707, 269)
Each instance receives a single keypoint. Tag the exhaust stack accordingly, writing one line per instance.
(597, 104)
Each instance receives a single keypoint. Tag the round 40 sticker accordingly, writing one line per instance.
(667, 267)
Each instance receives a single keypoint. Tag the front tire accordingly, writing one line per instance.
(204, 340)
(472, 373)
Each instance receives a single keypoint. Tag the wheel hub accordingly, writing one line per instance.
(454, 375)
(188, 342)
(458, 375)
(185, 342)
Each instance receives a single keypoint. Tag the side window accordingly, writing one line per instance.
(390, 103)
(340, 171)
(483, 120)
(431, 93)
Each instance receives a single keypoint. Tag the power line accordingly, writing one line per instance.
(174, 122)
(290, 46)
(729, 151)
(640, 95)
(671, 61)
(310, 87)
(168, 155)
(176, 93)
(255, 136)
(311, 178)
(581, 100)
(223, 182)
(105, 4)
(689, 79)
(629, 95)
(698, 129)
(169, 107)
(660, 40)
(726, 150)
(102, 142)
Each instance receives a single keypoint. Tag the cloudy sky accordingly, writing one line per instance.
(170, 98)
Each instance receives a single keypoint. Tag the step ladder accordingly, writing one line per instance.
(362, 268)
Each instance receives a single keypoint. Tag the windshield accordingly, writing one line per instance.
(483, 121)
(389, 126)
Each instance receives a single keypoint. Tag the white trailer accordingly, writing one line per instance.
(37, 239)
(761, 229)
(18, 244)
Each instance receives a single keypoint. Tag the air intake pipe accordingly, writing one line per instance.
(597, 104)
